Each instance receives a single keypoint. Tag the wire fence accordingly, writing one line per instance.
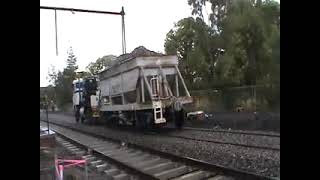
(260, 98)
(245, 107)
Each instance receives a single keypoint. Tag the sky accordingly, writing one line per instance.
(95, 35)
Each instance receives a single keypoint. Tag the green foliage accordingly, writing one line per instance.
(219, 7)
(249, 33)
(192, 40)
(47, 94)
(100, 64)
(62, 80)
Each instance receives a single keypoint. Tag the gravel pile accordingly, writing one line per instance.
(140, 51)
(259, 161)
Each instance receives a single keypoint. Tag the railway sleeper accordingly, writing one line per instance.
(112, 172)
(87, 156)
(170, 173)
(68, 146)
(95, 163)
(106, 147)
(134, 160)
(121, 176)
(102, 167)
(79, 153)
(150, 163)
(90, 159)
(117, 153)
(220, 177)
(195, 175)
(74, 149)
(96, 145)
(128, 155)
(159, 168)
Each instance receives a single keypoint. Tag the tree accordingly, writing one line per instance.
(100, 64)
(52, 75)
(196, 47)
(70, 70)
(47, 94)
(62, 80)
(250, 33)
(218, 7)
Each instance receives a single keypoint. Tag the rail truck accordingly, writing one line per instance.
(141, 89)
(86, 99)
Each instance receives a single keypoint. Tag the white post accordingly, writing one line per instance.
(86, 170)
(142, 87)
(183, 83)
(61, 172)
(146, 81)
(177, 85)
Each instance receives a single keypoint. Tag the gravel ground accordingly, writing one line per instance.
(254, 160)
(217, 128)
(273, 142)
(262, 121)
(201, 125)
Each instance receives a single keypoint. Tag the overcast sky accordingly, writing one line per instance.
(95, 35)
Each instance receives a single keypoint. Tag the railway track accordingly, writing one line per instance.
(143, 162)
(267, 134)
(159, 132)
(226, 143)
(233, 132)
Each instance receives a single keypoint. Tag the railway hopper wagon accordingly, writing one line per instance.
(143, 91)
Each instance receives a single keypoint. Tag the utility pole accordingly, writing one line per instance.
(122, 13)
(47, 116)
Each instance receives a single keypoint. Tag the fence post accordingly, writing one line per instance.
(86, 169)
(61, 171)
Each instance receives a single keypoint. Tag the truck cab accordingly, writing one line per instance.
(86, 99)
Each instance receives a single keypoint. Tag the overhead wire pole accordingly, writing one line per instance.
(56, 28)
(123, 32)
(122, 13)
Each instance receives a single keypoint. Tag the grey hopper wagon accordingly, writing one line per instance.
(144, 90)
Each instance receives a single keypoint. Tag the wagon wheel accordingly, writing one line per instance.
(149, 122)
(94, 120)
(112, 121)
(82, 119)
(77, 115)
(139, 122)
(179, 118)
